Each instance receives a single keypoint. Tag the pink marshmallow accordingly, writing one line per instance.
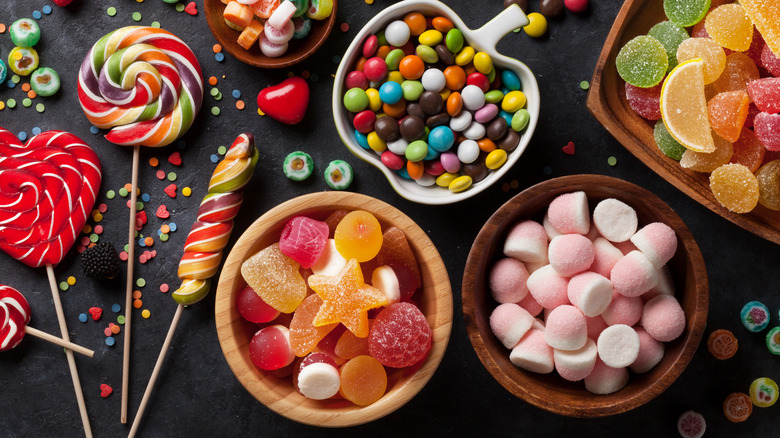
(618, 346)
(578, 364)
(570, 254)
(565, 328)
(650, 352)
(530, 305)
(665, 285)
(527, 242)
(590, 292)
(663, 318)
(633, 275)
(605, 255)
(282, 15)
(533, 354)
(507, 281)
(592, 233)
(510, 322)
(551, 231)
(548, 288)
(615, 220)
(596, 325)
(605, 379)
(657, 241)
(623, 310)
(568, 213)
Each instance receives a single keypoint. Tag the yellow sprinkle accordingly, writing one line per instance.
(71, 280)
(186, 191)
(17, 56)
(259, 111)
(97, 217)
(87, 229)
(369, 2)
(2, 105)
(146, 313)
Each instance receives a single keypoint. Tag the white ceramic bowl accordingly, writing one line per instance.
(483, 39)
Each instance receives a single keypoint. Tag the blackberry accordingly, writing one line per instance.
(100, 261)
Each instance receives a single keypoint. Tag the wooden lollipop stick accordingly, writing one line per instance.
(155, 372)
(74, 374)
(59, 341)
(129, 290)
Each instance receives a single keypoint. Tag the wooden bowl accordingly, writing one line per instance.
(550, 391)
(434, 299)
(297, 51)
(607, 102)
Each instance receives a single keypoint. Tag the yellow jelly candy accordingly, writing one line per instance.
(729, 26)
(739, 70)
(358, 236)
(707, 162)
(769, 185)
(728, 112)
(766, 16)
(708, 51)
(363, 380)
(275, 278)
(735, 187)
(684, 106)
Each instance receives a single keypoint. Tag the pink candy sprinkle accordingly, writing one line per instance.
(164, 288)
(160, 174)
(98, 229)
(107, 331)
(102, 208)
(123, 256)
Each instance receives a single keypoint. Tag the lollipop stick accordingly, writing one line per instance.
(59, 341)
(129, 290)
(155, 372)
(69, 353)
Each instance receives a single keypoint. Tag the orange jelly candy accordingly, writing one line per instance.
(350, 346)
(738, 71)
(346, 299)
(304, 335)
(708, 161)
(730, 27)
(363, 380)
(748, 151)
(728, 112)
(358, 236)
(275, 278)
(769, 184)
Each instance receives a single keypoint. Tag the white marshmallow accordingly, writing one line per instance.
(331, 262)
(590, 292)
(319, 381)
(533, 354)
(618, 346)
(384, 279)
(615, 220)
(527, 242)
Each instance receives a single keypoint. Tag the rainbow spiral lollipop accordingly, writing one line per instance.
(142, 82)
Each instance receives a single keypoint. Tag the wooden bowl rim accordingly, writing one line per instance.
(253, 56)
(437, 293)
(761, 221)
(531, 389)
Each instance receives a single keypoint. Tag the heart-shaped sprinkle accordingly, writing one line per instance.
(569, 148)
(170, 190)
(191, 8)
(96, 313)
(286, 102)
(105, 390)
(48, 187)
(162, 212)
(175, 159)
(140, 220)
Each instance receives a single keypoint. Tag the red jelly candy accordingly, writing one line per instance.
(303, 239)
(765, 93)
(397, 254)
(400, 336)
(767, 129)
(334, 220)
(770, 62)
(645, 101)
(253, 308)
(748, 150)
(270, 348)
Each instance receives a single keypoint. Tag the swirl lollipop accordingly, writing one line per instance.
(146, 86)
(207, 238)
(47, 188)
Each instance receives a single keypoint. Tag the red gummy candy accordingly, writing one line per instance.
(770, 62)
(303, 240)
(253, 308)
(400, 336)
(767, 129)
(397, 254)
(765, 93)
(270, 348)
(334, 220)
(645, 101)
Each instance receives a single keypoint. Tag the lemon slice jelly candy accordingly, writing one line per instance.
(642, 61)
(735, 187)
(707, 162)
(666, 143)
(684, 107)
(275, 278)
(728, 112)
(729, 26)
(686, 13)
(670, 35)
(708, 51)
(737, 72)
(769, 185)
(765, 15)
(749, 151)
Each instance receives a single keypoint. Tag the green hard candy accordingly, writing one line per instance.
(642, 62)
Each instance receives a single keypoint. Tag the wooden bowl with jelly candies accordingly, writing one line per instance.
(244, 31)
(714, 58)
(275, 389)
(550, 391)
(432, 104)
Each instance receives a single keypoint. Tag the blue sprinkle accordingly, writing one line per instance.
(173, 226)
(141, 243)
(336, 59)
(181, 144)
(219, 56)
(214, 157)
(116, 308)
(46, 9)
(83, 317)
(36, 130)
(10, 84)
(159, 232)
(37, 15)
(110, 341)
(22, 136)
(94, 130)
(145, 197)
(237, 94)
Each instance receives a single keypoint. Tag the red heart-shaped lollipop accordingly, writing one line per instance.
(285, 102)
(47, 189)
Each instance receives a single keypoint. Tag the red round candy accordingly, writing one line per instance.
(356, 79)
(576, 6)
(370, 46)
(253, 308)
(304, 239)
(480, 80)
(392, 161)
(434, 168)
(375, 69)
(270, 348)
(364, 121)
(645, 101)
(400, 336)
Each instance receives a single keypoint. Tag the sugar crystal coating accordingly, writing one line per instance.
(767, 129)
(708, 51)
(728, 112)
(766, 16)
(508, 280)
(400, 336)
(605, 380)
(509, 323)
(618, 345)
(663, 318)
(765, 93)
(304, 335)
(670, 35)
(769, 185)
(577, 364)
(684, 105)
(729, 26)
(642, 61)
(303, 239)
(770, 61)
(735, 187)
(533, 354)
(650, 352)
(686, 13)
(748, 150)
(666, 143)
(707, 162)
(738, 71)
(275, 278)
(644, 101)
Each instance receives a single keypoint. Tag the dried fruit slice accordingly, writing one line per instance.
(691, 425)
(684, 107)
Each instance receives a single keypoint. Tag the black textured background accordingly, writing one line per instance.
(197, 395)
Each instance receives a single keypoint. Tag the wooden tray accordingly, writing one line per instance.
(607, 102)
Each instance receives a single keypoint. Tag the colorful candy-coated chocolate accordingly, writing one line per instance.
(287, 101)
(15, 313)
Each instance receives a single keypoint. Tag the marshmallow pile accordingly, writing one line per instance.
(589, 296)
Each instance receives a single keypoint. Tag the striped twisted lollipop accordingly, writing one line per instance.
(47, 189)
(14, 316)
(211, 231)
(144, 83)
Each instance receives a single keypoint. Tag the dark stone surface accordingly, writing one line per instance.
(197, 395)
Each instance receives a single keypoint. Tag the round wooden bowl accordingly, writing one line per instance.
(297, 51)
(434, 299)
(550, 391)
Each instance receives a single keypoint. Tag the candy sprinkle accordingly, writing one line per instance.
(120, 319)
(146, 313)
(136, 16)
(64, 286)
(612, 161)
(110, 341)
(116, 308)
(83, 317)
(71, 280)
(140, 282)
(186, 192)
(154, 162)
(584, 85)
(164, 288)
(111, 11)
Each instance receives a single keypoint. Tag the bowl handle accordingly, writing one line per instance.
(508, 20)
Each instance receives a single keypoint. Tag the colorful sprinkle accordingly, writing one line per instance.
(37, 15)
(219, 57)
(111, 11)
(160, 174)
(584, 85)
(46, 9)
(172, 176)
(71, 280)
(94, 130)
(110, 341)
(137, 304)
(236, 94)
(140, 282)
(612, 161)
(83, 317)
(64, 286)
(186, 191)
(215, 110)
(154, 162)
(120, 319)
(164, 288)
(146, 313)
(214, 158)
(145, 197)
(116, 308)
(240, 105)
(222, 150)
(136, 16)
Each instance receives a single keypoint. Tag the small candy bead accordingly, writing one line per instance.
(475, 131)
(450, 162)
(416, 151)
(412, 90)
(486, 113)
(416, 22)
(356, 79)
(397, 33)
(480, 80)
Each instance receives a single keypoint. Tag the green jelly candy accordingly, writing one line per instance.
(298, 166)
(355, 100)
(416, 151)
(642, 62)
(454, 40)
(494, 96)
(45, 81)
(666, 143)
(338, 175)
(25, 32)
(23, 60)
(520, 119)
(670, 35)
(686, 13)
(427, 54)
(412, 90)
(393, 59)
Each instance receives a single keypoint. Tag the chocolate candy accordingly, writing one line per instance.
(496, 129)
(431, 103)
(387, 128)
(551, 8)
(412, 128)
(510, 141)
(522, 3)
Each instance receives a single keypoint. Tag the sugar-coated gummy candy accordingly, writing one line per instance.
(763, 392)
(400, 336)
(686, 13)
(738, 71)
(729, 26)
(270, 349)
(509, 322)
(363, 380)
(768, 177)
(298, 166)
(670, 35)
(253, 308)
(765, 93)
(666, 143)
(735, 187)
(642, 61)
(749, 152)
(303, 239)
(728, 112)
(338, 175)
(708, 51)
(766, 17)
(770, 61)
(691, 424)
(358, 235)
(623, 310)
(275, 278)
(349, 345)
(755, 316)
(304, 335)
(767, 128)
(644, 101)
(708, 161)
(569, 214)
(684, 106)
(507, 280)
